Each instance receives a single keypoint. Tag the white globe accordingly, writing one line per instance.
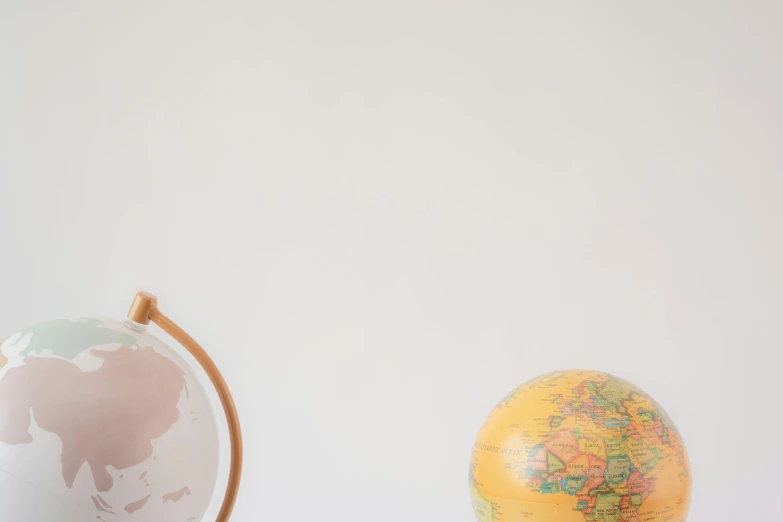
(101, 422)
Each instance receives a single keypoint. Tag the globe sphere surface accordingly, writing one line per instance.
(102, 422)
(577, 446)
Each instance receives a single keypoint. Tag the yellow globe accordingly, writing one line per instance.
(579, 446)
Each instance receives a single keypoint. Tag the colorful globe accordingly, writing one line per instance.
(101, 421)
(579, 446)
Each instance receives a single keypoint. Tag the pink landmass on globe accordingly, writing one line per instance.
(106, 417)
(135, 506)
(99, 506)
(177, 495)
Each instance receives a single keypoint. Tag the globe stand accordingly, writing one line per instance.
(145, 309)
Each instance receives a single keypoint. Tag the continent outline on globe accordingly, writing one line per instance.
(579, 445)
(115, 432)
(141, 404)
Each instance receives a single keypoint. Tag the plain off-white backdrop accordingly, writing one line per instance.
(379, 217)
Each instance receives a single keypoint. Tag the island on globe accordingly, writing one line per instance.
(102, 422)
(579, 446)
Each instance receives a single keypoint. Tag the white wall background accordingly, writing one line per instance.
(381, 216)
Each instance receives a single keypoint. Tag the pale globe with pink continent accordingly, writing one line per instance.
(100, 421)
